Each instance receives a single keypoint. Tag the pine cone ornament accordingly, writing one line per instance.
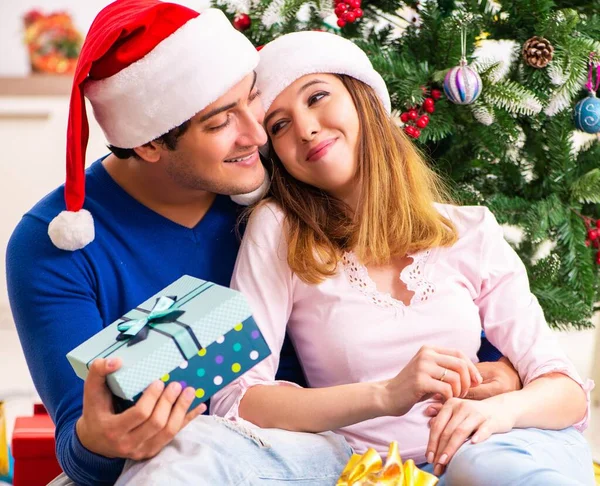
(538, 52)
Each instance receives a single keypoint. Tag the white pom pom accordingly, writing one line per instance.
(254, 196)
(72, 230)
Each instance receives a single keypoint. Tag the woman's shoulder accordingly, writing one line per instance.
(265, 225)
(267, 214)
(470, 221)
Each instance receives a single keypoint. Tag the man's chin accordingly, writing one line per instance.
(252, 193)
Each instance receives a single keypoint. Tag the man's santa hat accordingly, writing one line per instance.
(146, 67)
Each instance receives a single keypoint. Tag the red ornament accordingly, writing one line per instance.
(341, 9)
(598, 223)
(429, 108)
(242, 22)
(341, 23)
(429, 102)
(413, 114)
(417, 133)
(423, 121)
(436, 94)
(349, 16)
(596, 243)
(593, 234)
(358, 12)
(353, 3)
(404, 117)
(338, 2)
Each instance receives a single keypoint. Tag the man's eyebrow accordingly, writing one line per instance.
(221, 109)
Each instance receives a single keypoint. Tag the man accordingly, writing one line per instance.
(174, 94)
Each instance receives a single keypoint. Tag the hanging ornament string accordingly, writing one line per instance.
(590, 84)
(463, 44)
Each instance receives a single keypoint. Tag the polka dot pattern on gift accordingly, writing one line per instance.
(221, 362)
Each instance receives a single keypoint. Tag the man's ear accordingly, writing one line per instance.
(150, 152)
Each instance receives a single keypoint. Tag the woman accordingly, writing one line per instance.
(353, 207)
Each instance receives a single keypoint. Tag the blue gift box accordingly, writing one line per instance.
(193, 331)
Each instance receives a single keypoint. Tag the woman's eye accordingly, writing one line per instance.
(316, 97)
(276, 127)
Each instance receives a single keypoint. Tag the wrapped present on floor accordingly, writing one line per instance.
(194, 332)
(368, 470)
(33, 450)
(4, 456)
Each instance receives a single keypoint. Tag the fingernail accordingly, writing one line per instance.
(443, 459)
(110, 363)
(158, 385)
(174, 389)
(189, 393)
(479, 379)
(430, 457)
(475, 438)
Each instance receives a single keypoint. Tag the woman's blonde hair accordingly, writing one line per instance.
(395, 214)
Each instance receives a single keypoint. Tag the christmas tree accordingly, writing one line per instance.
(509, 139)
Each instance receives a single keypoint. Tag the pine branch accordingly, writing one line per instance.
(577, 268)
(512, 97)
(586, 189)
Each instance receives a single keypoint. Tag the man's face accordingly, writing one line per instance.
(219, 151)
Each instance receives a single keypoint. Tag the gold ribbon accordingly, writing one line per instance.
(369, 470)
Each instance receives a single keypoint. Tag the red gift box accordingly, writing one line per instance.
(33, 450)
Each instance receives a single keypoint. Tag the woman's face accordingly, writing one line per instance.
(314, 128)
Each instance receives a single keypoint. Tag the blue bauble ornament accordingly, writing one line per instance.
(587, 114)
(462, 84)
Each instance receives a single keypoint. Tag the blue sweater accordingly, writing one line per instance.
(59, 299)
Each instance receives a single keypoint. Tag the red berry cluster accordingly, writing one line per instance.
(414, 119)
(347, 11)
(593, 236)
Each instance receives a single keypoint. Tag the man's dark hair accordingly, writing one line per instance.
(169, 140)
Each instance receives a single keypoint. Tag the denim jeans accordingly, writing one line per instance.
(213, 451)
(522, 457)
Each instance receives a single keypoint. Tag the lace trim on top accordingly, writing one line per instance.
(412, 275)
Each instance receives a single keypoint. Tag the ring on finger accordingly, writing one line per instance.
(443, 377)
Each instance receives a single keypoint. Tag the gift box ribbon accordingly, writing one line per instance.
(368, 470)
(162, 318)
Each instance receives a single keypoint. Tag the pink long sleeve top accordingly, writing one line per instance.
(345, 331)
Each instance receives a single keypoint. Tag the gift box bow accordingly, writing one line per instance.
(368, 470)
(162, 318)
(165, 311)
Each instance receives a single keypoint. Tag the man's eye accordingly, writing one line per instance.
(222, 125)
(254, 95)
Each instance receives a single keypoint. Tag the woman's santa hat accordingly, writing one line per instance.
(291, 56)
(146, 67)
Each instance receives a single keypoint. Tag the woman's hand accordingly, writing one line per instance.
(432, 370)
(460, 419)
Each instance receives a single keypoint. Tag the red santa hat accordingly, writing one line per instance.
(291, 56)
(146, 67)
